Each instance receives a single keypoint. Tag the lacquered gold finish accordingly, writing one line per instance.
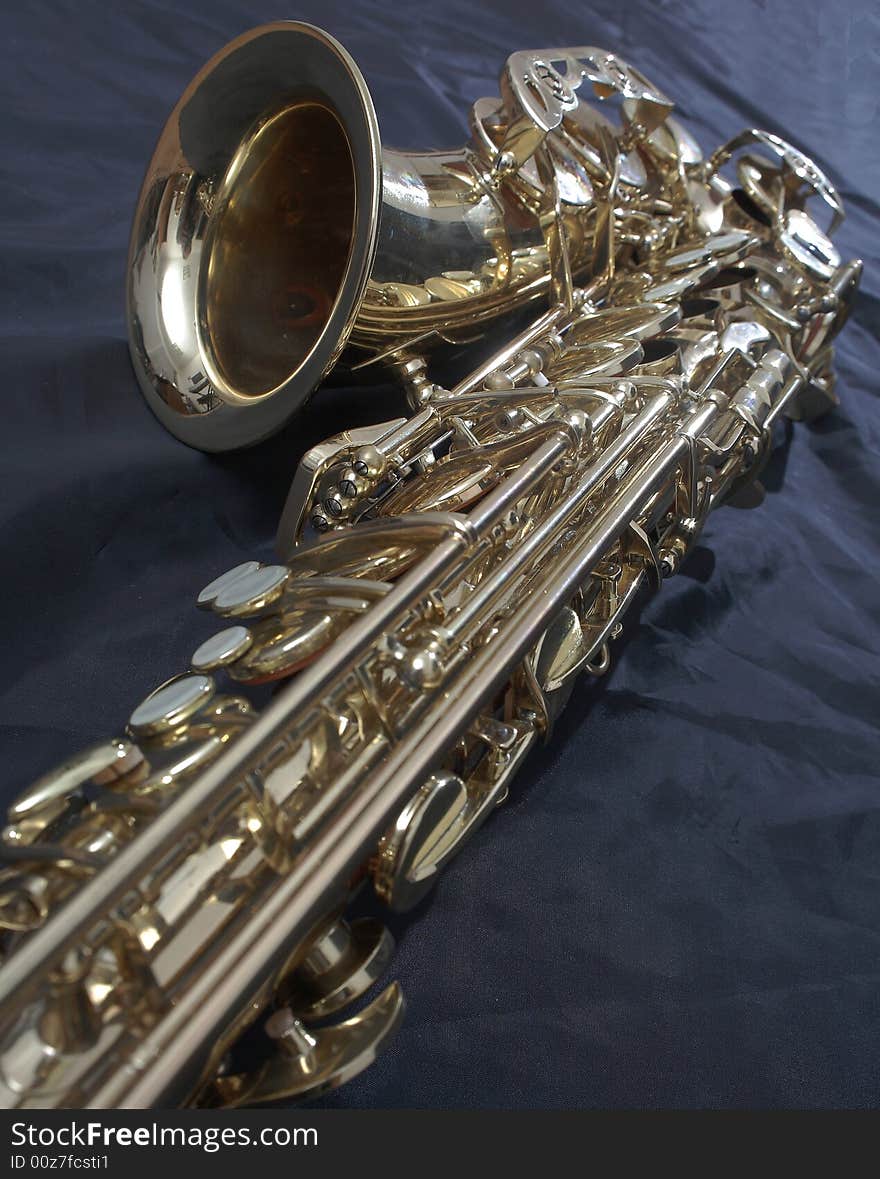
(444, 578)
(277, 248)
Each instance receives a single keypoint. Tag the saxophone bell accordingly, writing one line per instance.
(253, 236)
(273, 229)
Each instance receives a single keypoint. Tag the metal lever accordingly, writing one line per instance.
(308, 1062)
(70, 1023)
(444, 813)
(412, 851)
(341, 965)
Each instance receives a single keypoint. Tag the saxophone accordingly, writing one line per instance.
(443, 577)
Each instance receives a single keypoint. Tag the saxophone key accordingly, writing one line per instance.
(221, 649)
(308, 1062)
(342, 963)
(412, 852)
(224, 582)
(283, 645)
(249, 593)
(104, 763)
(171, 705)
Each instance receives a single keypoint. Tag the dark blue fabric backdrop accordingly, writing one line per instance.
(680, 906)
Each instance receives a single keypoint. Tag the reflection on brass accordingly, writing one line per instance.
(444, 578)
(278, 247)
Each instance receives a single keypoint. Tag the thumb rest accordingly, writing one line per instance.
(446, 577)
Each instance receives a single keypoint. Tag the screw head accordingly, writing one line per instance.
(369, 462)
